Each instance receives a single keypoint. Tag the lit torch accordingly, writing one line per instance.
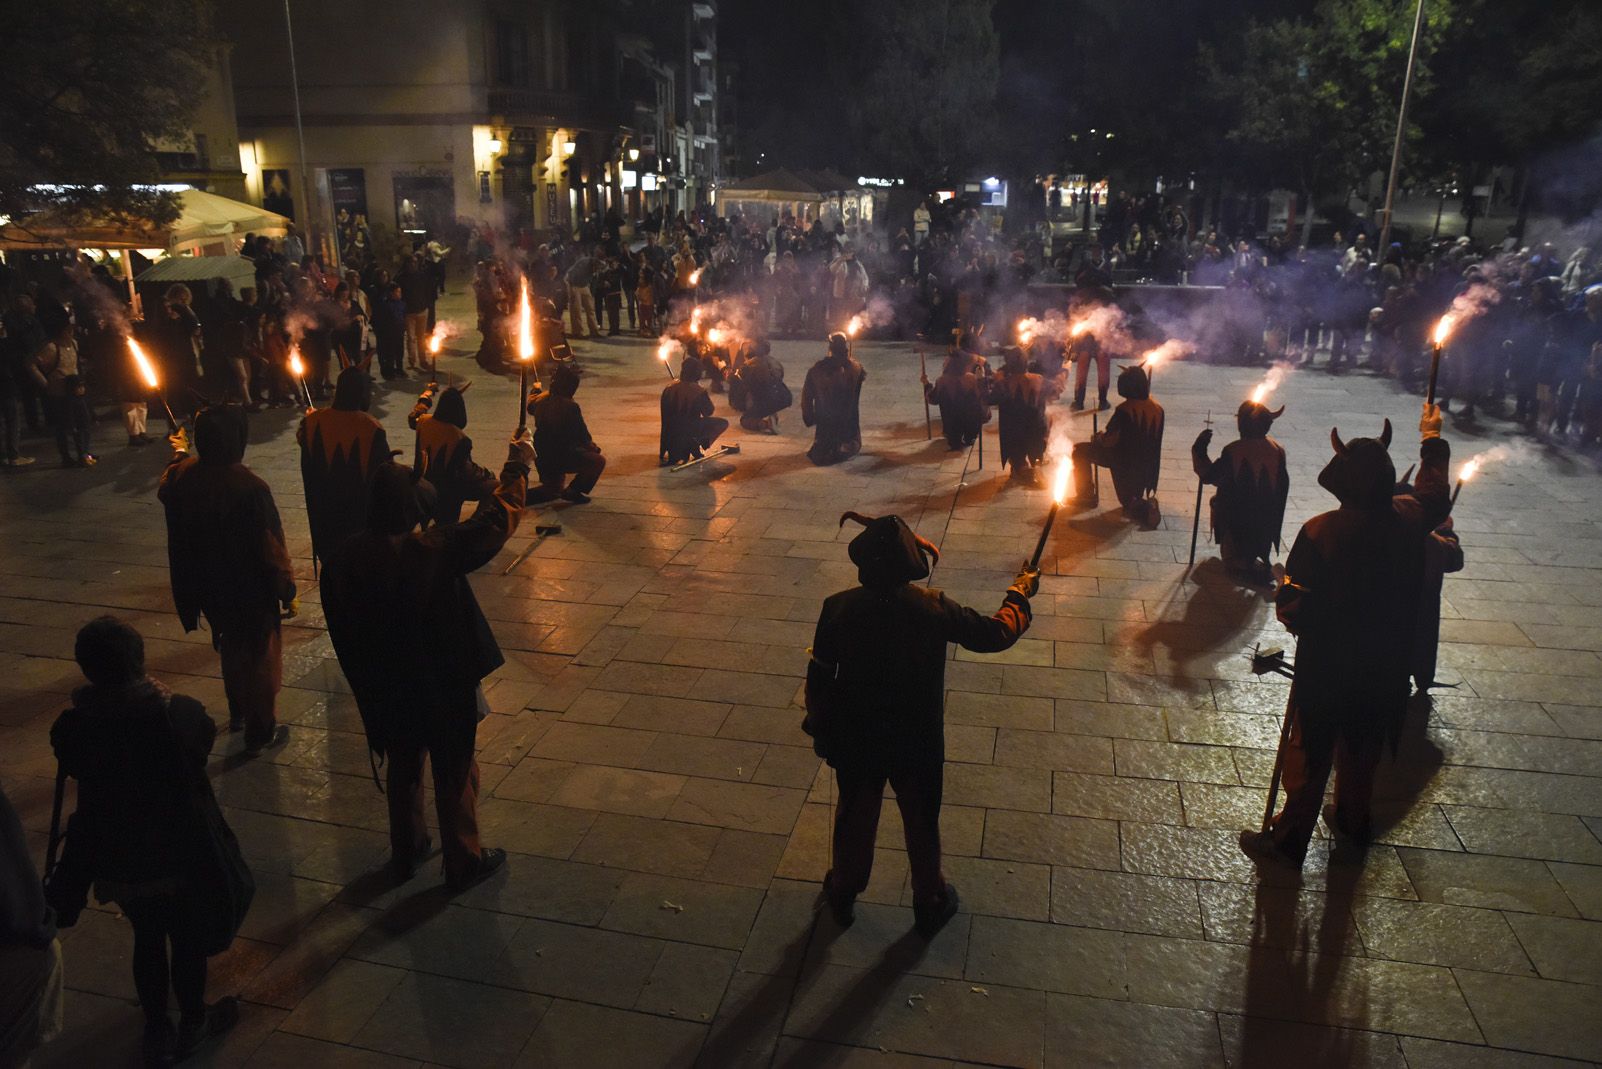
(716, 336)
(695, 277)
(664, 353)
(1443, 330)
(297, 368)
(525, 351)
(434, 341)
(853, 328)
(695, 320)
(147, 371)
(1059, 494)
(1471, 468)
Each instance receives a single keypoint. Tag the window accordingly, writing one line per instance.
(511, 53)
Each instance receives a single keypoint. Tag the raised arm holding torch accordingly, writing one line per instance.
(1059, 494)
(147, 371)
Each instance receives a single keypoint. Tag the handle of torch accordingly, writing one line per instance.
(1045, 532)
(1195, 524)
(923, 373)
(1458, 489)
(1435, 371)
(172, 420)
(1095, 470)
(1279, 761)
(522, 395)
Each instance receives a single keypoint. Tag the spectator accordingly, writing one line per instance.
(57, 371)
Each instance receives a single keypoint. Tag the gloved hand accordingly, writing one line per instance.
(1027, 584)
(1203, 440)
(179, 440)
(1430, 421)
(521, 449)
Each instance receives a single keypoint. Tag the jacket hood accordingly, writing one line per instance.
(1254, 420)
(220, 435)
(1134, 383)
(1361, 474)
(888, 553)
(452, 408)
(401, 499)
(354, 390)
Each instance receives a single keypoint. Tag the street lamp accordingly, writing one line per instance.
(569, 147)
(634, 155)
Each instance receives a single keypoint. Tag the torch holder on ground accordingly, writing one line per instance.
(722, 451)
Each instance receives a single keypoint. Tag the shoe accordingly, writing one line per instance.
(21, 462)
(404, 868)
(1261, 848)
(220, 1017)
(88, 460)
(1103, 405)
(158, 1043)
(279, 736)
(577, 497)
(1342, 834)
(842, 907)
(236, 724)
(1077, 406)
(490, 860)
(930, 917)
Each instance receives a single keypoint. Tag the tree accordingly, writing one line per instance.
(87, 90)
(924, 111)
(1310, 104)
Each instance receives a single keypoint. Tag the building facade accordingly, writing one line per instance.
(423, 118)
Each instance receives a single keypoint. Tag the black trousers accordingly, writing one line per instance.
(159, 924)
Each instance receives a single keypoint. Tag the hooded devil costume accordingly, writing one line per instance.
(445, 453)
(225, 548)
(1020, 398)
(1248, 509)
(688, 426)
(1431, 487)
(875, 703)
(414, 646)
(1131, 448)
(829, 403)
(1350, 596)
(960, 393)
(340, 448)
(759, 384)
(562, 442)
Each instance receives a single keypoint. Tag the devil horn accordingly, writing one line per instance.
(1280, 411)
(859, 517)
(1385, 435)
(927, 546)
(1335, 440)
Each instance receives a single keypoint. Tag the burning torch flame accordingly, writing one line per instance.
(1270, 383)
(525, 325)
(434, 341)
(146, 371)
(1059, 480)
(664, 351)
(296, 368)
(854, 327)
(695, 276)
(715, 336)
(1079, 328)
(695, 321)
(1443, 329)
(1025, 330)
(1471, 468)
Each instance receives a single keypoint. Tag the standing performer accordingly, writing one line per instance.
(445, 453)
(340, 448)
(562, 442)
(1249, 508)
(960, 395)
(1350, 596)
(1020, 397)
(761, 381)
(1131, 448)
(1442, 552)
(829, 402)
(414, 646)
(688, 426)
(876, 705)
(225, 547)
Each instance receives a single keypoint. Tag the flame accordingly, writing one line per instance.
(695, 321)
(525, 325)
(435, 339)
(1260, 394)
(1026, 330)
(1443, 329)
(1059, 480)
(695, 276)
(664, 351)
(854, 327)
(1471, 468)
(716, 335)
(146, 370)
(1079, 328)
(1270, 383)
(296, 367)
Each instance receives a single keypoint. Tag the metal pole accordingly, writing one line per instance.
(300, 131)
(1401, 133)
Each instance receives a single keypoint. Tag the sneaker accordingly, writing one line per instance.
(219, 1017)
(88, 460)
(1261, 848)
(1343, 834)
(280, 735)
(21, 462)
(490, 861)
(1103, 405)
(1077, 406)
(930, 917)
(577, 497)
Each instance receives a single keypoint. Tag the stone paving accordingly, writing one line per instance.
(644, 765)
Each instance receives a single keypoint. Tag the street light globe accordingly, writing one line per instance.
(634, 155)
(569, 147)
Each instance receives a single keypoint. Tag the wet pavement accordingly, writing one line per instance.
(644, 764)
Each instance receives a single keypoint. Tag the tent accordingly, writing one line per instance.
(806, 194)
(204, 219)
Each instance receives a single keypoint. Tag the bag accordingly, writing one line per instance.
(223, 884)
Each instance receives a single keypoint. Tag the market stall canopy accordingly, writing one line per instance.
(781, 185)
(203, 219)
(236, 269)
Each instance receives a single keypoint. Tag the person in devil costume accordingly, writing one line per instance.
(960, 393)
(688, 426)
(1350, 596)
(415, 647)
(1131, 448)
(340, 449)
(1432, 488)
(875, 697)
(445, 452)
(761, 380)
(225, 546)
(562, 442)
(1248, 509)
(830, 398)
(1020, 398)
